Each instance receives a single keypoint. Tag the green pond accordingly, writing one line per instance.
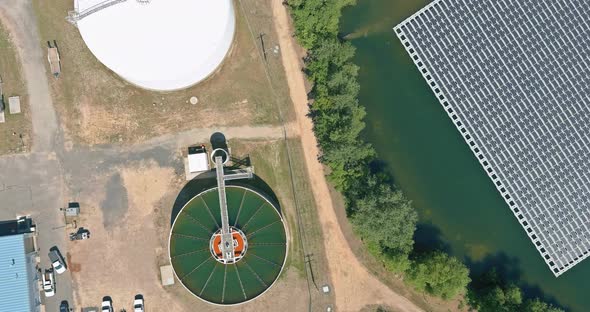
(460, 210)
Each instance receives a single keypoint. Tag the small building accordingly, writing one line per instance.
(19, 282)
(198, 159)
(73, 210)
(14, 104)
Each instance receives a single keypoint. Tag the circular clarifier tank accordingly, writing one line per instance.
(160, 45)
(260, 246)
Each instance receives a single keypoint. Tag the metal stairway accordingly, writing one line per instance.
(75, 16)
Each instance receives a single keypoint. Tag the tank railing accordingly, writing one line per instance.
(227, 244)
(238, 174)
(75, 16)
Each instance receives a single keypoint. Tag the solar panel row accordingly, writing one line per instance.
(514, 76)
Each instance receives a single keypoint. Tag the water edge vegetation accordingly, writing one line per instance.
(379, 212)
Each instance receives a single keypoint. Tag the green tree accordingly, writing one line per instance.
(386, 217)
(316, 19)
(439, 274)
(329, 54)
(392, 262)
(491, 294)
(536, 305)
(348, 163)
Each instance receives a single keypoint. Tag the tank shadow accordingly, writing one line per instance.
(218, 140)
(196, 186)
(190, 190)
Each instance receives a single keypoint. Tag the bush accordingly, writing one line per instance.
(491, 294)
(385, 217)
(439, 274)
(537, 305)
(316, 19)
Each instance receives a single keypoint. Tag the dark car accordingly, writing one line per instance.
(64, 306)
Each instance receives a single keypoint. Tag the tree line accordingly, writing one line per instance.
(380, 214)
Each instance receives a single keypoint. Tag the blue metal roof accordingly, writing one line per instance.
(15, 282)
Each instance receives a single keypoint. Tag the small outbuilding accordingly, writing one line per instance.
(14, 105)
(198, 159)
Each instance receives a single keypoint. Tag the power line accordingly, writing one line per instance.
(289, 157)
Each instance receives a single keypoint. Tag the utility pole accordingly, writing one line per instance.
(308, 262)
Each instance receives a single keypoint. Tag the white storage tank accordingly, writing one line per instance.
(160, 45)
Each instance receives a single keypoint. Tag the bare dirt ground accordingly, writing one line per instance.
(15, 132)
(97, 106)
(119, 255)
(18, 18)
(354, 286)
(127, 192)
(128, 209)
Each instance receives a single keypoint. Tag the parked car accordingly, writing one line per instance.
(48, 283)
(138, 304)
(107, 305)
(56, 261)
(64, 306)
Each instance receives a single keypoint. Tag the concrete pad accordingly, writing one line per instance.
(167, 275)
(2, 117)
(14, 104)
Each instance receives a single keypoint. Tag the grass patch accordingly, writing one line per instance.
(15, 133)
(259, 18)
(271, 163)
(97, 106)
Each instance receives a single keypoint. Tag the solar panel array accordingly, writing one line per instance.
(514, 76)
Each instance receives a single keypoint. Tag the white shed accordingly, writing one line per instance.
(198, 162)
(14, 105)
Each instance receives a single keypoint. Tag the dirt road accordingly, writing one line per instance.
(186, 138)
(354, 287)
(20, 20)
(32, 184)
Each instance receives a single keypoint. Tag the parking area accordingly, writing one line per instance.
(30, 185)
(120, 258)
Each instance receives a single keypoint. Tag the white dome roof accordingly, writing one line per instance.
(161, 45)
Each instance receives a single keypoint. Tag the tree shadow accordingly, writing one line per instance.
(509, 271)
(507, 268)
(428, 237)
